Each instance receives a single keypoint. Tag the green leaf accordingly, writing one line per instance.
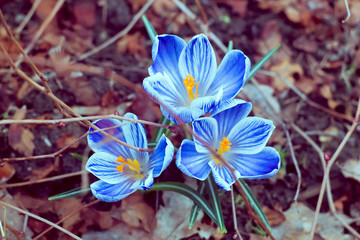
(78, 156)
(195, 209)
(149, 28)
(254, 203)
(230, 46)
(188, 192)
(212, 190)
(260, 63)
(72, 193)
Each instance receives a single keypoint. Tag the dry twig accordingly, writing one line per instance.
(40, 219)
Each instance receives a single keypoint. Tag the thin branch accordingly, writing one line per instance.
(304, 97)
(202, 26)
(36, 70)
(67, 175)
(328, 186)
(203, 14)
(42, 28)
(119, 34)
(28, 16)
(68, 120)
(41, 220)
(66, 217)
(330, 163)
(348, 12)
(234, 214)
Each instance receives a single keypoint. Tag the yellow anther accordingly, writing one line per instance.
(224, 146)
(189, 83)
(132, 164)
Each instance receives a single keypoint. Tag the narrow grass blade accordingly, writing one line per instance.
(230, 46)
(254, 203)
(72, 193)
(260, 63)
(195, 209)
(188, 192)
(78, 156)
(212, 190)
(149, 28)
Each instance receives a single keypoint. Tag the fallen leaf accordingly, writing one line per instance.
(290, 71)
(351, 169)
(65, 140)
(21, 139)
(85, 14)
(6, 172)
(136, 213)
(275, 217)
(299, 221)
(238, 6)
(64, 207)
(133, 44)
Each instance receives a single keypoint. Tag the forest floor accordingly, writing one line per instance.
(310, 89)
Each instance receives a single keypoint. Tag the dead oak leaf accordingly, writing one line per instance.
(21, 139)
(290, 71)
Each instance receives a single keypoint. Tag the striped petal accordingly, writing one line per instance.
(112, 192)
(192, 163)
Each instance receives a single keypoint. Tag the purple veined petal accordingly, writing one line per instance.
(99, 142)
(103, 165)
(162, 156)
(222, 175)
(192, 163)
(229, 113)
(166, 53)
(147, 182)
(231, 74)
(207, 129)
(160, 87)
(112, 192)
(207, 103)
(263, 164)
(250, 135)
(198, 59)
(135, 136)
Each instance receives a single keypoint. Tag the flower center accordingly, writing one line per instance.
(133, 165)
(224, 147)
(189, 83)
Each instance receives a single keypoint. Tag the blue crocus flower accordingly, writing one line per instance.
(240, 140)
(185, 78)
(122, 170)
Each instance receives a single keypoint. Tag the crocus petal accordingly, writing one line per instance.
(165, 53)
(99, 142)
(229, 113)
(135, 136)
(208, 103)
(260, 165)
(198, 59)
(103, 165)
(162, 156)
(250, 135)
(222, 176)
(112, 192)
(147, 182)
(160, 85)
(231, 74)
(192, 163)
(207, 129)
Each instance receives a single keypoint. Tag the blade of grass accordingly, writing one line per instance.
(254, 203)
(71, 193)
(212, 190)
(149, 28)
(195, 209)
(260, 63)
